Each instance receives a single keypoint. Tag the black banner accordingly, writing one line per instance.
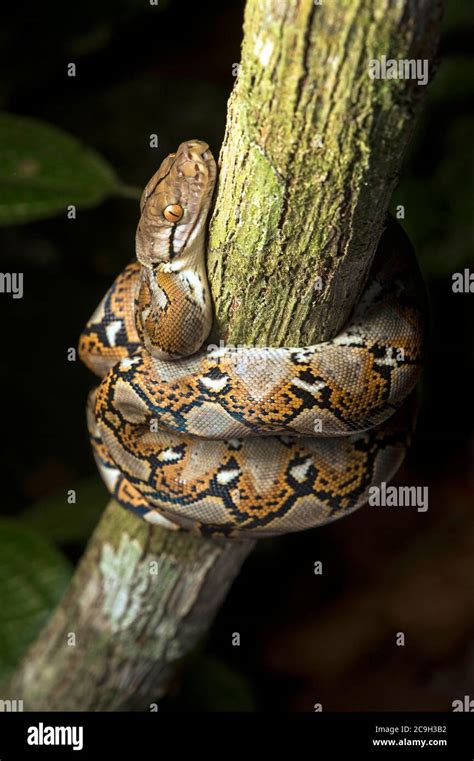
(374, 735)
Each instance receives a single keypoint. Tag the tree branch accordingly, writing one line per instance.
(311, 156)
(309, 161)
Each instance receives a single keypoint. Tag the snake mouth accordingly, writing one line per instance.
(175, 203)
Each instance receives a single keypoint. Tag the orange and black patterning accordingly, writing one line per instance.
(243, 442)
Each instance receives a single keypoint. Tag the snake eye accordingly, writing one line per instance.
(173, 212)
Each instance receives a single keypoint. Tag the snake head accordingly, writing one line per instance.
(175, 203)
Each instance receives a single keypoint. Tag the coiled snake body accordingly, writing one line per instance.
(239, 442)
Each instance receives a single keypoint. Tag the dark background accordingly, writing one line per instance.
(304, 638)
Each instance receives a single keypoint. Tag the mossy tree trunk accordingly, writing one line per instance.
(311, 155)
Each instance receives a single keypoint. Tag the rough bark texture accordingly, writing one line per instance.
(311, 156)
(309, 161)
(139, 601)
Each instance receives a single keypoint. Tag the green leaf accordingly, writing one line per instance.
(33, 578)
(65, 523)
(44, 170)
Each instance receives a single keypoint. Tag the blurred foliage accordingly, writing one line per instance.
(437, 183)
(43, 170)
(33, 578)
(457, 16)
(66, 523)
(120, 118)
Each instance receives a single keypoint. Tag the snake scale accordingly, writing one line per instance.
(243, 442)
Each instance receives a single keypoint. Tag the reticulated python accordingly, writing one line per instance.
(242, 442)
